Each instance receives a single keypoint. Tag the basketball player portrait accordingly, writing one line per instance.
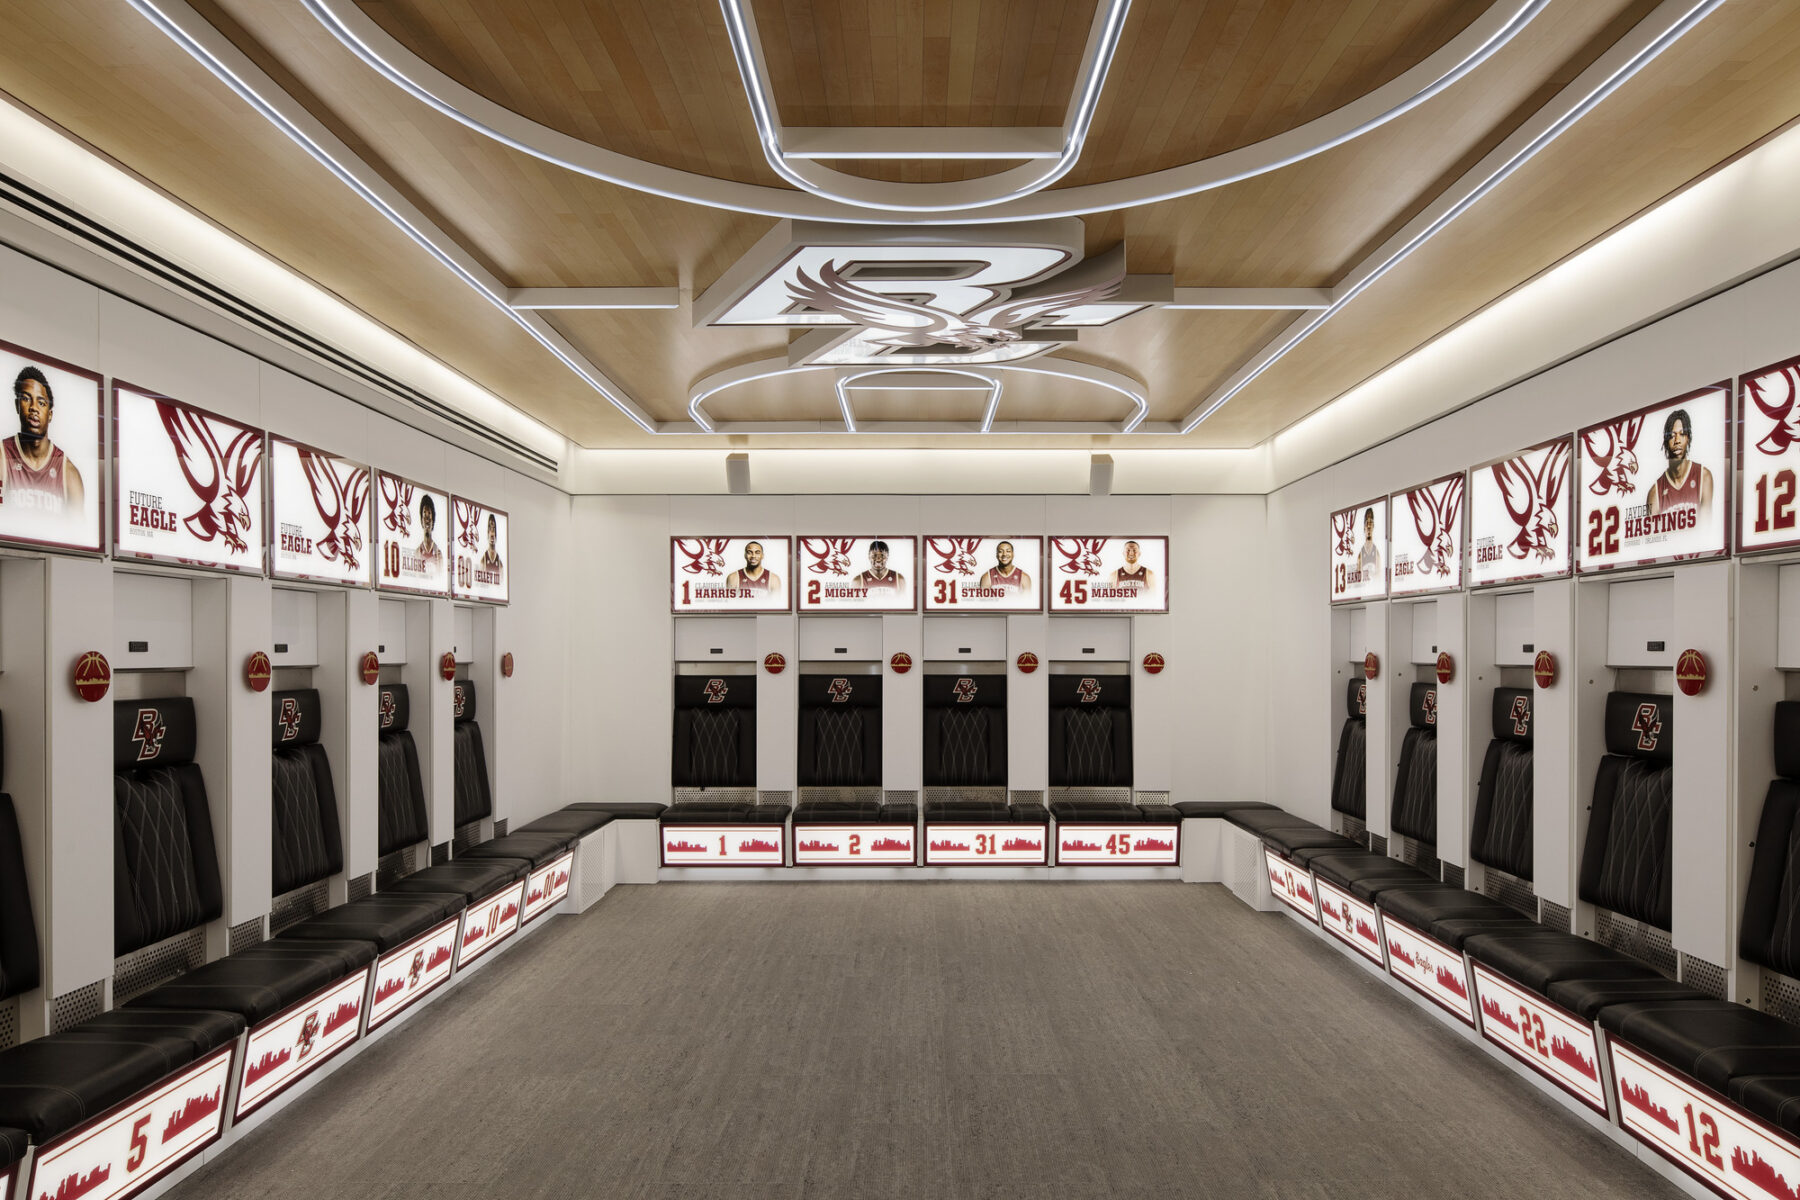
(1005, 573)
(490, 559)
(429, 550)
(878, 575)
(39, 476)
(1683, 483)
(1134, 574)
(752, 575)
(1368, 560)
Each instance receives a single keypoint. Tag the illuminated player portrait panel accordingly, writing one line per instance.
(1655, 484)
(1519, 516)
(1359, 544)
(730, 574)
(411, 527)
(1109, 574)
(51, 485)
(478, 543)
(858, 574)
(1768, 508)
(984, 574)
(1425, 543)
(186, 486)
(318, 515)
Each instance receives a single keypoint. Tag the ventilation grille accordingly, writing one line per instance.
(837, 795)
(9, 1023)
(775, 799)
(1092, 795)
(1513, 892)
(245, 935)
(1453, 875)
(83, 1004)
(1552, 915)
(1377, 843)
(360, 887)
(722, 795)
(440, 854)
(397, 865)
(144, 969)
(905, 797)
(1415, 853)
(1031, 797)
(1781, 997)
(298, 905)
(1354, 828)
(993, 795)
(500, 827)
(1704, 976)
(1646, 943)
(1153, 798)
(467, 837)
(1245, 865)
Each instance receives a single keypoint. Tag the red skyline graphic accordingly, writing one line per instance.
(891, 843)
(1331, 910)
(196, 1110)
(438, 958)
(392, 987)
(268, 1062)
(510, 911)
(1566, 1052)
(1300, 889)
(1155, 844)
(475, 934)
(562, 877)
(686, 848)
(1022, 844)
(1448, 978)
(1490, 1008)
(1367, 930)
(1399, 955)
(1079, 846)
(1762, 1174)
(816, 847)
(949, 846)
(346, 1012)
(1639, 1098)
(537, 894)
(759, 846)
(75, 1186)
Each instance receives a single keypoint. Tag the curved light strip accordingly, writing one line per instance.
(842, 188)
(363, 37)
(844, 382)
(349, 179)
(1586, 104)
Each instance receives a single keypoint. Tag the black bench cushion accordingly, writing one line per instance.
(1770, 931)
(1349, 774)
(1289, 840)
(1774, 1098)
(967, 812)
(579, 822)
(18, 930)
(1112, 812)
(259, 982)
(622, 809)
(383, 919)
(1714, 1041)
(1625, 864)
(51, 1084)
(1159, 814)
(1024, 813)
(304, 817)
(471, 878)
(1414, 813)
(473, 796)
(899, 812)
(1449, 914)
(1351, 866)
(709, 813)
(1217, 808)
(1540, 957)
(165, 868)
(1500, 830)
(839, 812)
(1586, 997)
(12, 1146)
(1259, 820)
(535, 848)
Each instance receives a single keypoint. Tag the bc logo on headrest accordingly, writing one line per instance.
(1647, 724)
(839, 689)
(149, 733)
(290, 718)
(965, 689)
(716, 691)
(388, 708)
(1362, 699)
(1430, 706)
(460, 700)
(1521, 716)
(1089, 689)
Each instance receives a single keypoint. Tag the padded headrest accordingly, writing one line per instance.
(297, 717)
(1787, 739)
(1423, 705)
(1356, 697)
(1090, 691)
(715, 691)
(840, 691)
(1512, 715)
(1640, 725)
(462, 701)
(393, 707)
(150, 733)
(965, 691)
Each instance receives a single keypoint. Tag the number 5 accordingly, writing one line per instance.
(140, 1145)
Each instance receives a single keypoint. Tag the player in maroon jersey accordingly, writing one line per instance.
(1134, 574)
(429, 551)
(878, 575)
(752, 576)
(490, 559)
(39, 476)
(1005, 573)
(1685, 483)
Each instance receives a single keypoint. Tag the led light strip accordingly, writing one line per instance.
(1363, 280)
(992, 385)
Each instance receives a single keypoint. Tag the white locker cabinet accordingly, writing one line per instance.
(295, 628)
(463, 624)
(1787, 619)
(1340, 635)
(1090, 639)
(1515, 639)
(715, 639)
(1359, 634)
(1425, 631)
(965, 639)
(1640, 621)
(390, 627)
(840, 639)
(153, 623)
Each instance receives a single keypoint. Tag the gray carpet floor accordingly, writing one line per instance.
(922, 1040)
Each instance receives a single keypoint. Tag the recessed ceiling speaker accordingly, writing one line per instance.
(737, 474)
(1100, 472)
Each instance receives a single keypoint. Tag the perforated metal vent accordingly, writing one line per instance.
(1092, 795)
(360, 887)
(83, 1004)
(440, 853)
(731, 795)
(903, 797)
(467, 837)
(246, 934)
(1453, 875)
(1153, 797)
(1020, 797)
(500, 827)
(1781, 996)
(144, 969)
(1377, 843)
(9, 1023)
(1645, 943)
(1704, 976)
(837, 795)
(1415, 853)
(993, 795)
(1354, 828)
(1511, 891)
(397, 865)
(1245, 862)
(1553, 916)
(777, 799)
(298, 905)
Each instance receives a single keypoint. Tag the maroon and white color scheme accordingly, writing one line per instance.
(285, 1049)
(1542, 1035)
(774, 662)
(1426, 542)
(988, 573)
(506, 665)
(1735, 1154)
(857, 574)
(723, 845)
(1691, 672)
(731, 575)
(319, 514)
(1519, 519)
(51, 483)
(900, 662)
(407, 975)
(1428, 966)
(130, 1147)
(1292, 885)
(546, 886)
(92, 676)
(1108, 574)
(479, 551)
(487, 923)
(1543, 669)
(1118, 845)
(257, 671)
(412, 525)
(1446, 667)
(987, 845)
(1768, 502)
(1371, 665)
(1349, 920)
(1154, 663)
(370, 668)
(187, 486)
(1359, 550)
(1655, 484)
(854, 845)
(1027, 662)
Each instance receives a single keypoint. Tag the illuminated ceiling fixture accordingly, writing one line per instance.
(987, 383)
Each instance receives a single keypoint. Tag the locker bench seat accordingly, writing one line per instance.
(700, 813)
(577, 821)
(12, 1147)
(1217, 808)
(622, 810)
(534, 848)
(1449, 914)
(258, 982)
(385, 919)
(472, 879)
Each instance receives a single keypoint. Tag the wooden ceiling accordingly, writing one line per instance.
(656, 79)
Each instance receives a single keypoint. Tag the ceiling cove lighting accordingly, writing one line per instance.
(987, 383)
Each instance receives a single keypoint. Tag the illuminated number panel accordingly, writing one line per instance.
(186, 484)
(854, 845)
(730, 575)
(1425, 543)
(481, 552)
(987, 845)
(489, 922)
(1428, 967)
(1655, 484)
(1549, 1040)
(1101, 845)
(1291, 885)
(724, 845)
(54, 478)
(1768, 453)
(546, 887)
(285, 1049)
(983, 573)
(857, 574)
(1519, 522)
(1108, 574)
(1349, 920)
(319, 515)
(412, 526)
(1359, 549)
(406, 975)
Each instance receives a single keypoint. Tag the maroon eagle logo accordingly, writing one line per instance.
(148, 733)
(830, 556)
(1436, 516)
(955, 556)
(466, 515)
(716, 691)
(289, 718)
(1610, 448)
(1531, 498)
(705, 556)
(396, 506)
(221, 479)
(965, 689)
(342, 501)
(1779, 410)
(1647, 724)
(1088, 689)
(1080, 556)
(839, 689)
(1343, 533)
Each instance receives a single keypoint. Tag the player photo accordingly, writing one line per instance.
(39, 475)
(1133, 572)
(753, 576)
(50, 462)
(1006, 574)
(1684, 483)
(728, 574)
(877, 575)
(1648, 483)
(490, 558)
(429, 550)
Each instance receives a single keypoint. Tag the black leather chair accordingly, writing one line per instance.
(1500, 833)
(19, 966)
(1349, 775)
(715, 747)
(1414, 813)
(166, 874)
(403, 820)
(1090, 746)
(474, 796)
(840, 747)
(965, 747)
